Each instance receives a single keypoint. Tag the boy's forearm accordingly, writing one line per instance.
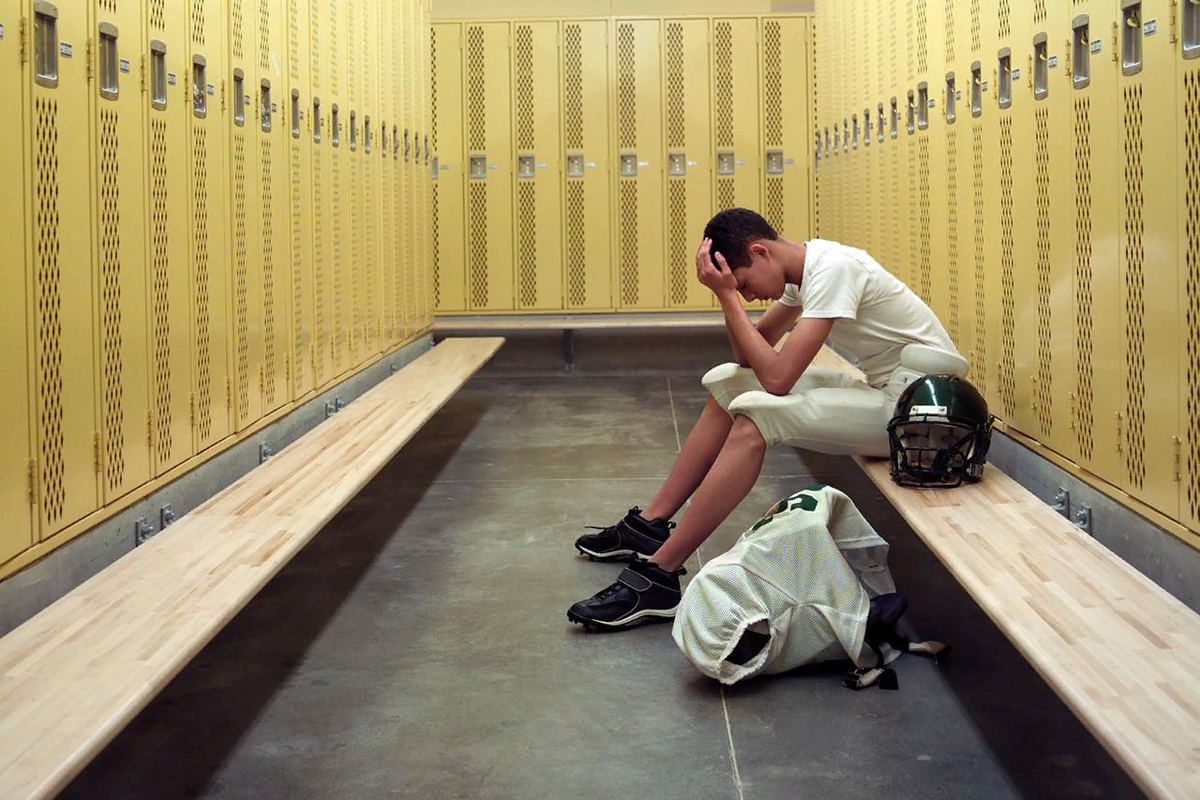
(749, 346)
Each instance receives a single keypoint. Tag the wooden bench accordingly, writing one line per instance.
(1119, 650)
(75, 674)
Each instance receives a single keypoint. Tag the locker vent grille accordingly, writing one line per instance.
(948, 14)
(723, 82)
(576, 244)
(726, 194)
(157, 15)
(913, 278)
(1042, 394)
(318, 206)
(198, 23)
(315, 42)
(775, 203)
(773, 83)
(629, 243)
(110, 293)
(898, 256)
(527, 243)
(923, 219)
(356, 243)
(910, 44)
(294, 38)
(333, 49)
(1004, 12)
(264, 34)
(524, 81)
(436, 244)
(676, 96)
(880, 20)
(677, 245)
(1135, 303)
(203, 318)
(400, 263)
(239, 29)
(1191, 111)
(476, 90)
(979, 373)
(573, 85)
(976, 31)
(1039, 10)
(922, 37)
(477, 219)
(433, 93)
(241, 277)
(1007, 374)
(366, 298)
(338, 266)
(1083, 420)
(159, 264)
(298, 287)
(626, 88)
(952, 235)
(49, 307)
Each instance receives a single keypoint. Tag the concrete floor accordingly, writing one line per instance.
(419, 646)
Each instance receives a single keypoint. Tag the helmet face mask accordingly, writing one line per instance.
(940, 433)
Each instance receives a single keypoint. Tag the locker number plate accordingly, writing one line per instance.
(171, 78)
(125, 65)
(1096, 45)
(1149, 29)
(65, 49)
(1052, 61)
(1, 31)
(1016, 74)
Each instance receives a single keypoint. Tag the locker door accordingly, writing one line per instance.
(737, 116)
(538, 191)
(489, 158)
(370, 310)
(1148, 255)
(422, 166)
(15, 463)
(271, 189)
(1187, 104)
(955, 115)
(63, 300)
(638, 271)
(321, 21)
(169, 306)
(689, 158)
(1090, 79)
(246, 216)
(202, 70)
(412, 278)
(120, 248)
(356, 247)
(340, 188)
(299, 131)
(932, 177)
(449, 273)
(586, 184)
(402, 285)
(386, 278)
(1054, 199)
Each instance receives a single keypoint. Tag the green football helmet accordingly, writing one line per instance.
(940, 433)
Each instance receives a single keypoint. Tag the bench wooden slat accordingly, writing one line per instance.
(78, 672)
(1117, 648)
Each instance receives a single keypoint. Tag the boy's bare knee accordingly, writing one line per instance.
(746, 434)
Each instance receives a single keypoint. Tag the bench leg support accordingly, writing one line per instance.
(569, 350)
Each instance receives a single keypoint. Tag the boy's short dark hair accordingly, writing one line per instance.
(733, 230)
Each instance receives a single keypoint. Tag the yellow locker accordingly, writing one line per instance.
(587, 188)
(322, 18)
(489, 172)
(119, 247)
(736, 113)
(1149, 254)
(300, 192)
(196, 86)
(387, 161)
(1090, 80)
(538, 191)
(412, 278)
(638, 260)
(1054, 254)
(16, 465)
(868, 154)
(1187, 87)
(689, 161)
(245, 186)
(954, 114)
(395, 187)
(423, 166)
(355, 246)
(449, 267)
(370, 309)
(167, 201)
(63, 362)
(340, 71)
(933, 178)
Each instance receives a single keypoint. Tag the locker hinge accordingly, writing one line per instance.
(287, 365)
(312, 350)
(23, 34)
(262, 383)
(222, 95)
(1115, 39)
(228, 394)
(91, 43)
(149, 427)
(1174, 4)
(32, 482)
(192, 408)
(96, 451)
(1177, 443)
(143, 78)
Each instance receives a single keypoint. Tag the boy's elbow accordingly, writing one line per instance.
(778, 385)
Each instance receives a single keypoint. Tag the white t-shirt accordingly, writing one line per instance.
(877, 315)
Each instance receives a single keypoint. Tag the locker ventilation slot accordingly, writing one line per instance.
(1083, 421)
(476, 90)
(923, 218)
(1007, 376)
(264, 33)
(477, 243)
(1191, 178)
(723, 82)
(198, 23)
(922, 37)
(161, 298)
(318, 207)
(298, 286)
(1135, 305)
(157, 17)
(773, 83)
(203, 301)
(239, 29)
(678, 245)
(676, 95)
(952, 234)
(979, 375)
(629, 243)
(576, 244)
(524, 85)
(241, 278)
(573, 85)
(50, 387)
(948, 15)
(527, 236)
(626, 88)
(1043, 396)
(110, 299)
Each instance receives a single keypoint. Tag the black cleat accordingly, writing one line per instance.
(644, 592)
(632, 535)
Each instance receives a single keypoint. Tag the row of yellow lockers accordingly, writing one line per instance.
(1032, 169)
(224, 210)
(579, 160)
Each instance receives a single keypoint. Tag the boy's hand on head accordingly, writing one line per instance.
(718, 277)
